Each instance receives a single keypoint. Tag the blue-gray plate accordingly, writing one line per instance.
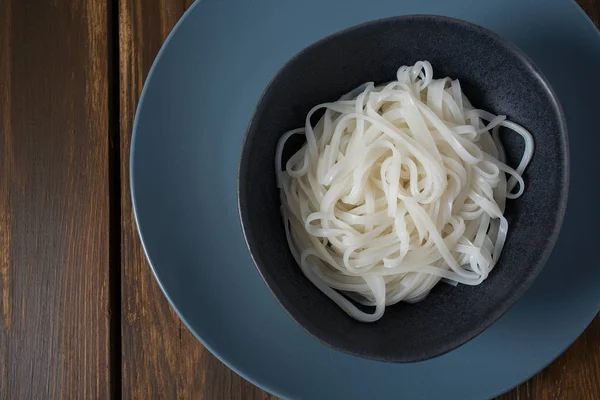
(194, 111)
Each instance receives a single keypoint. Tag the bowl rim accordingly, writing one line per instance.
(501, 308)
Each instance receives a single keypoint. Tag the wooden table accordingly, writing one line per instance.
(81, 316)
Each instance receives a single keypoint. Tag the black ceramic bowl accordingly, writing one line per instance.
(495, 76)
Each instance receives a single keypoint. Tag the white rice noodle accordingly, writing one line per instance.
(397, 187)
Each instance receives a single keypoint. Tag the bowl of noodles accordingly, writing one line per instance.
(402, 183)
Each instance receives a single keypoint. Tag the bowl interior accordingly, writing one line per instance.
(496, 77)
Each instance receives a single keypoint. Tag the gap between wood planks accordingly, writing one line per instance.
(114, 176)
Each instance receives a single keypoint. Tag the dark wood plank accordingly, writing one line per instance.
(592, 9)
(54, 200)
(161, 358)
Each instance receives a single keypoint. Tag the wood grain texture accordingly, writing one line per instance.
(54, 200)
(592, 9)
(161, 359)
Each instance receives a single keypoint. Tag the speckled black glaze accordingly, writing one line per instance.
(495, 76)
